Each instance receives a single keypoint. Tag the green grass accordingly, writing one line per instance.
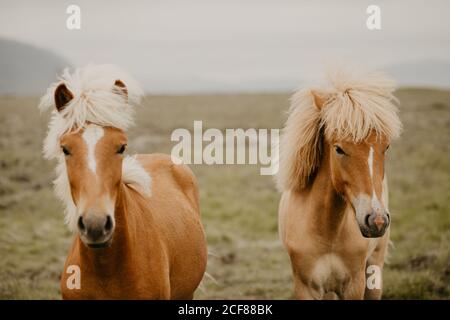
(239, 206)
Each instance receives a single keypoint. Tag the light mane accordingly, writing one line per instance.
(95, 100)
(135, 176)
(353, 107)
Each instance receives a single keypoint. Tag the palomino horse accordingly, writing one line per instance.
(333, 214)
(131, 242)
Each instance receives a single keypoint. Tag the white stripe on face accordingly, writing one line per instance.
(370, 162)
(376, 205)
(91, 135)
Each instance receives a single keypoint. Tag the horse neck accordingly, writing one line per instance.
(329, 207)
(121, 249)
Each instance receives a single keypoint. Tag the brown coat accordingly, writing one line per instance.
(159, 248)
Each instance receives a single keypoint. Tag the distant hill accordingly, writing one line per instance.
(423, 73)
(27, 70)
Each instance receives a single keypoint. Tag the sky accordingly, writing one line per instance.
(247, 45)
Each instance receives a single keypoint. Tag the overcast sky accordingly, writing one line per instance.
(201, 45)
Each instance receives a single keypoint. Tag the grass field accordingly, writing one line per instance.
(239, 206)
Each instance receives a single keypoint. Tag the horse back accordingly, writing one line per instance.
(160, 167)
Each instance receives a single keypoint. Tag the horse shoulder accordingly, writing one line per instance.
(184, 236)
(283, 215)
(294, 221)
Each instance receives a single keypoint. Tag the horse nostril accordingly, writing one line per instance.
(108, 224)
(81, 225)
(366, 219)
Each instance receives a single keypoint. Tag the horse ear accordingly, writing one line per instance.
(62, 96)
(320, 98)
(121, 87)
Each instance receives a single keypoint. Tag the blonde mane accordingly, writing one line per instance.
(95, 100)
(350, 108)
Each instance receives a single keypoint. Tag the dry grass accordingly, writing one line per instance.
(239, 206)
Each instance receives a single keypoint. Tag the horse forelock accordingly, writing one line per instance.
(95, 100)
(358, 105)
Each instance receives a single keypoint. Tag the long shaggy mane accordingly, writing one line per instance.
(352, 107)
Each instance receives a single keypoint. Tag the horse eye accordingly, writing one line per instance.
(65, 150)
(387, 148)
(122, 149)
(339, 150)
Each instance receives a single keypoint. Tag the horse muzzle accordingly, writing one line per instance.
(96, 230)
(374, 224)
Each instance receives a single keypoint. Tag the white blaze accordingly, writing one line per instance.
(376, 204)
(91, 135)
(370, 162)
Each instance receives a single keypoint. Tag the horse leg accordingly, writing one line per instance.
(355, 289)
(302, 291)
(188, 296)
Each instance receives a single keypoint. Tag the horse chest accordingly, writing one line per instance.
(120, 286)
(329, 274)
(144, 276)
(331, 271)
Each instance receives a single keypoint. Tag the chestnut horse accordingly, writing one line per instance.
(137, 219)
(333, 214)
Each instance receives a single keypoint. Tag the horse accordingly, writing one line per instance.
(136, 219)
(333, 213)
